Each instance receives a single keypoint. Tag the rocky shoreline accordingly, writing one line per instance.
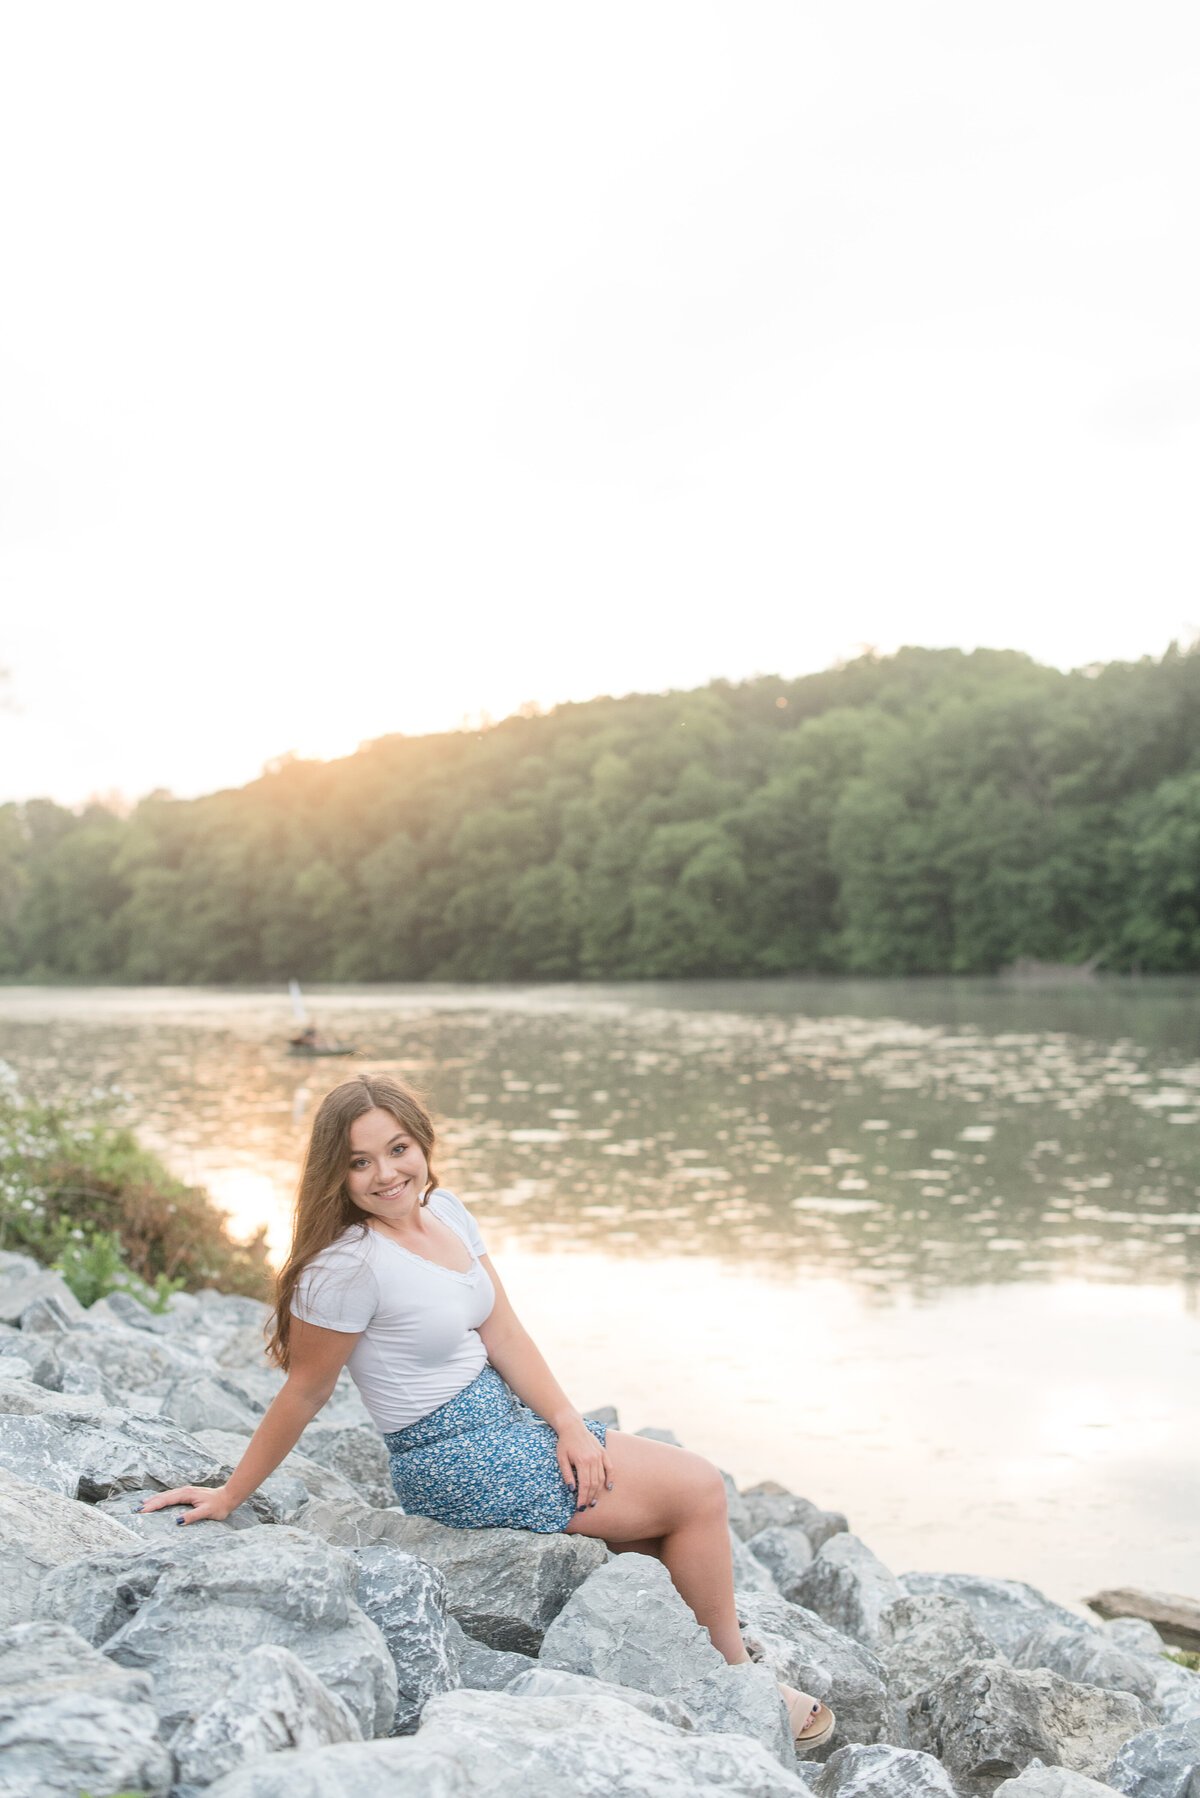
(322, 1644)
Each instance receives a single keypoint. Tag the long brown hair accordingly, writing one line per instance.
(324, 1207)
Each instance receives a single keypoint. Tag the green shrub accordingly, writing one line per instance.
(81, 1195)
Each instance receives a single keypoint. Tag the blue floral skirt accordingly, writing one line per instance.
(483, 1461)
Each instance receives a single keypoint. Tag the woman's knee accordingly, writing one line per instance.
(706, 1486)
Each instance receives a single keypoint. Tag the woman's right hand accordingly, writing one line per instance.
(206, 1501)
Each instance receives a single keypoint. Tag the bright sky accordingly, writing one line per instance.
(368, 365)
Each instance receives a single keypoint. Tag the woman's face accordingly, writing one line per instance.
(388, 1171)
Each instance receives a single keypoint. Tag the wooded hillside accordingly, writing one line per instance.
(930, 811)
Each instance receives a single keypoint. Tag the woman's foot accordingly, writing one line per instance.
(812, 1722)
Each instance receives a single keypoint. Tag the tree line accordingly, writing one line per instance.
(932, 811)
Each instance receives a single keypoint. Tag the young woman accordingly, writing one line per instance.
(388, 1276)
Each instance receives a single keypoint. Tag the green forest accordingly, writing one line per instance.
(932, 811)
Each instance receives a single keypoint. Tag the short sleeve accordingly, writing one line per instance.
(460, 1220)
(337, 1290)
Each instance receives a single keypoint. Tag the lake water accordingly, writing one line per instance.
(928, 1252)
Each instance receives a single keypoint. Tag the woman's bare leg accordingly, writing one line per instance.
(676, 1499)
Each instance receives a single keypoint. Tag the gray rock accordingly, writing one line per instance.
(987, 1721)
(88, 1451)
(655, 1435)
(786, 1553)
(768, 1505)
(504, 1586)
(1159, 1763)
(245, 1346)
(40, 1530)
(480, 1668)
(628, 1625)
(743, 1700)
(16, 1367)
(272, 1703)
(605, 1414)
(473, 1744)
(877, 1770)
(70, 1721)
(200, 1402)
(1086, 1657)
(924, 1639)
(308, 1479)
(1052, 1782)
(13, 1263)
(805, 1652)
(848, 1586)
(406, 1600)
(19, 1291)
(1133, 1634)
(552, 1682)
(749, 1573)
(123, 1308)
(189, 1612)
(355, 1451)
(45, 1367)
(154, 1526)
(131, 1359)
(1005, 1609)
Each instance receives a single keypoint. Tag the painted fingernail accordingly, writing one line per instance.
(140, 1507)
(579, 1508)
(593, 1505)
(608, 1488)
(179, 1520)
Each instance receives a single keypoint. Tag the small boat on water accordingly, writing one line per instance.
(311, 1043)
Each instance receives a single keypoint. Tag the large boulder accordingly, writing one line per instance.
(154, 1526)
(200, 1401)
(1176, 1688)
(504, 1586)
(987, 1721)
(848, 1586)
(1006, 1610)
(749, 1573)
(356, 1452)
(1052, 1782)
(188, 1612)
(37, 1352)
(82, 1448)
(491, 1745)
(132, 1359)
(406, 1600)
(72, 1722)
(228, 1447)
(877, 1770)
(804, 1651)
(272, 1702)
(40, 1530)
(627, 1625)
(785, 1552)
(20, 1291)
(1088, 1657)
(772, 1506)
(924, 1639)
(480, 1668)
(1159, 1763)
(552, 1682)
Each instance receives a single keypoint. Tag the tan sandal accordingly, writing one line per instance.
(812, 1722)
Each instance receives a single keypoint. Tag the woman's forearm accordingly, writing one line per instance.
(519, 1361)
(287, 1416)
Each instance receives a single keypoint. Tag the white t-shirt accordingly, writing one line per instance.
(416, 1322)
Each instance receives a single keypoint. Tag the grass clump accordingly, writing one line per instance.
(81, 1195)
(1185, 1657)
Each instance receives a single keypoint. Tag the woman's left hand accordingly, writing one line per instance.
(582, 1463)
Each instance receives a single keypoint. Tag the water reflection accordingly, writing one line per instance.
(884, 1150)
